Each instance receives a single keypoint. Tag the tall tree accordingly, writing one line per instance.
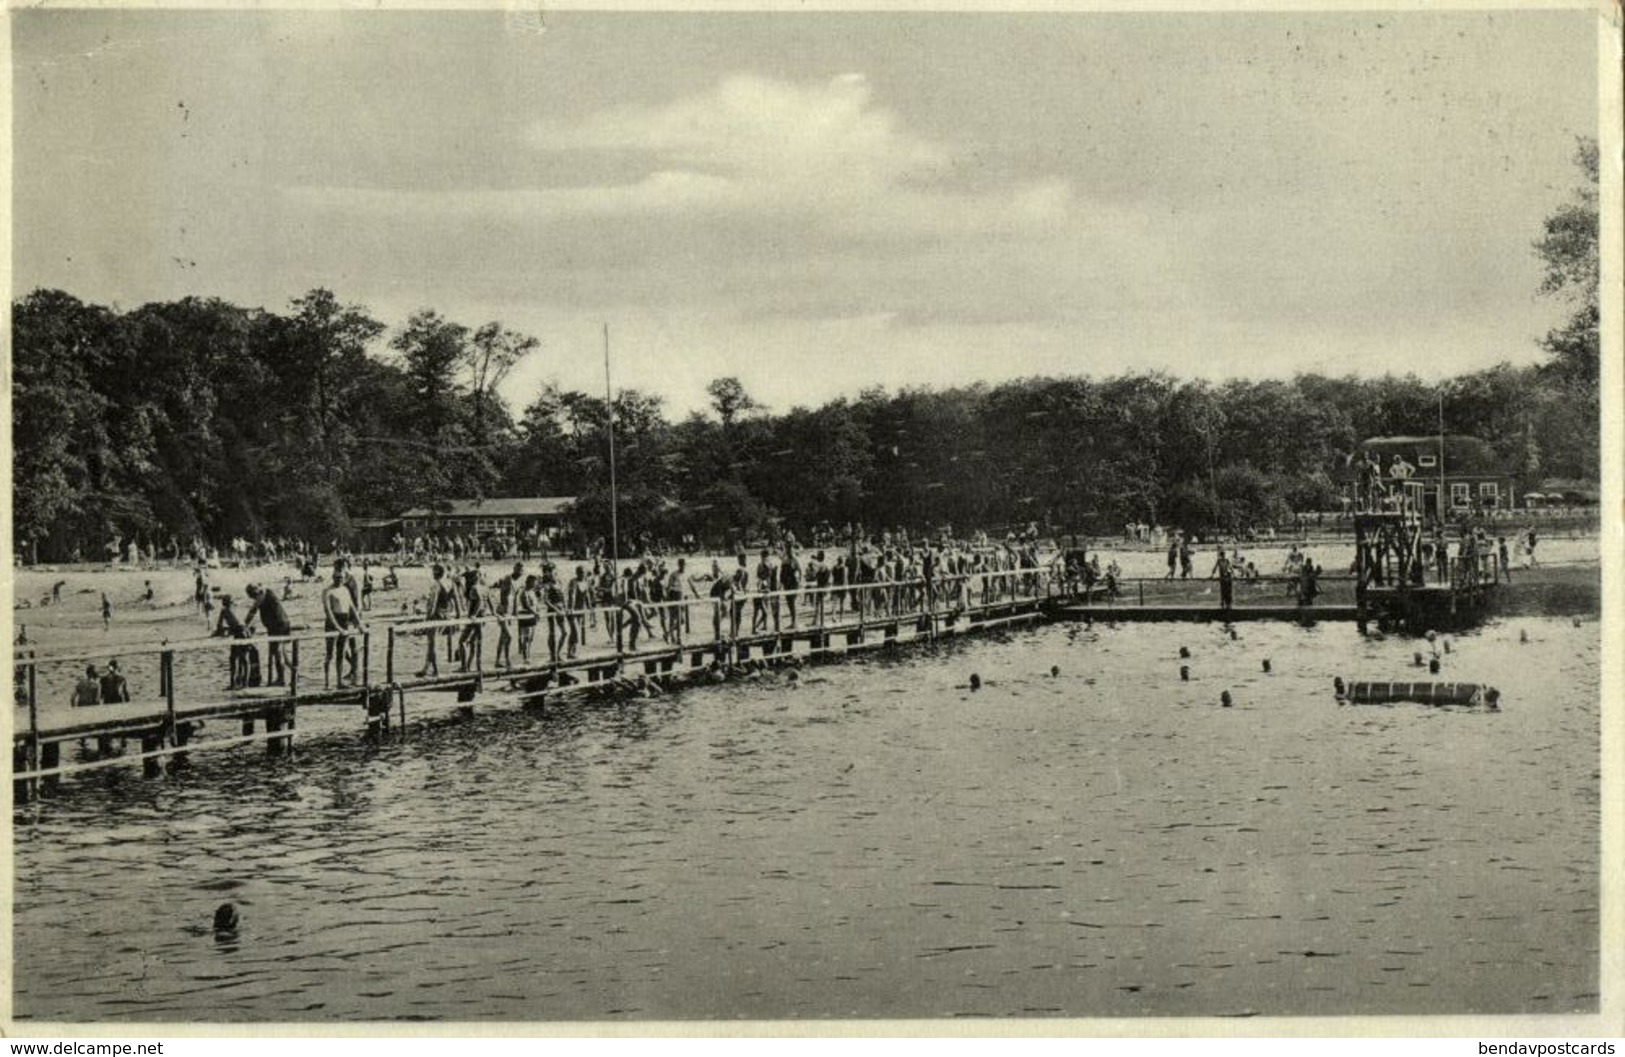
(1568, 249)
(494, 353)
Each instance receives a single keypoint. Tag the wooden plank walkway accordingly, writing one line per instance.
(1118, 612)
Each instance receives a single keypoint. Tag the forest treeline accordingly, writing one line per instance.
(202, 419)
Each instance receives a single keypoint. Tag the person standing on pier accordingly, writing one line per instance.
(275, 619)
(818, 580)
(115, 690)
(766, 581)
(741, 585)
(507, 592)
(441, 605)
(1308, 583)
(559, 628)
(790, 577)
(1225, 572)
(676, 613)
(577, 597)
(526, 604)
(476, 606)
(88, 691)
(230, 627)
(343, 616)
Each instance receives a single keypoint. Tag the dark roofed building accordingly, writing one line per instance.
(483, 518)
(1472, 476)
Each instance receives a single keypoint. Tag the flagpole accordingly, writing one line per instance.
(1442, 507)
(609, 413)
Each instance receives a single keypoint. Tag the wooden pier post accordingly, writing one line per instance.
(31, 751)
(389, 654)
(50, 755)
(166, 675)
(151, 766)
(293, 669)
(366, 659)
(182, 733)
(22, 789)
(273, 723)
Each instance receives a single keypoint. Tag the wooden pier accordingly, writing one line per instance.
(1112, 613)
(684, 640)
(673, 642)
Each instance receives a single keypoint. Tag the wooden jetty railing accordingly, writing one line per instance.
(760, 626)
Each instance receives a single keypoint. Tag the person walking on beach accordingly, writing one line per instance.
(107, 612)
(1225, 572)
(1504, 557)
(1185, 557)
(1173, 556)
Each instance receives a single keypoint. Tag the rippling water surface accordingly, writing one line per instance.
(872, 840)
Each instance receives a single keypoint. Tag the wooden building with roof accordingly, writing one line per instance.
(1466, 469)
(545, 516)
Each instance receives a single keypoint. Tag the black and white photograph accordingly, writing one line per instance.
(553, 516)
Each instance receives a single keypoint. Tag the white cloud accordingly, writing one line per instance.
(753, 149)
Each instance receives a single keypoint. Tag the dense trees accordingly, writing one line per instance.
(198, 418)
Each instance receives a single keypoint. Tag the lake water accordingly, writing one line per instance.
(870, 840)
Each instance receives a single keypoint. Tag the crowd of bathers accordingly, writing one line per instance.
(781, 587)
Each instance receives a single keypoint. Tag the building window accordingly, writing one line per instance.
(1460, 494)
(1488, 494)
(1427, 460)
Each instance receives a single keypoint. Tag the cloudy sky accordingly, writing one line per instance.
(821, 202)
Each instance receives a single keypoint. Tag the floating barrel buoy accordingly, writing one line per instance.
(225, 918)
(1424, 693)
